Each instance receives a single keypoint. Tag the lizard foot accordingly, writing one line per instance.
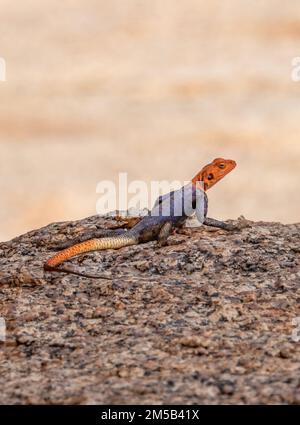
(186, 231)
(239, 224)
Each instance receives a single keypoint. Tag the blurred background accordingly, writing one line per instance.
(149, 87)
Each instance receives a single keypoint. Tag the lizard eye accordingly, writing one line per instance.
(222, 166)
(210, 176)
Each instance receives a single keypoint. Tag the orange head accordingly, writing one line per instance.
(213, 172)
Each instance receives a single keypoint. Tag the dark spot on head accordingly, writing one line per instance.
(210, 176)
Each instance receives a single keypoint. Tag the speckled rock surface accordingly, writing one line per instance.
(207, 319)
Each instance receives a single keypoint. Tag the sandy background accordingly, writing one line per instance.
(154, 88)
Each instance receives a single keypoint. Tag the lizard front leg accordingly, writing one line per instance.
(217, 223)
(241, 224)
(164, 233)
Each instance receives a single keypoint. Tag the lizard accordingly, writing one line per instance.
(157, 225)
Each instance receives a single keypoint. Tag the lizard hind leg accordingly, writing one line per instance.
(164, 233)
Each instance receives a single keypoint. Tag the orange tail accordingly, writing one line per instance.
(87, 246)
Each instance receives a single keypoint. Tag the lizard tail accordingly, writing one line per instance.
(114, 242)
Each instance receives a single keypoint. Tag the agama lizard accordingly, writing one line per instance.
(157, 225)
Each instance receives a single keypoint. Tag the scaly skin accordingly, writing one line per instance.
(150, 227)
(114, 242)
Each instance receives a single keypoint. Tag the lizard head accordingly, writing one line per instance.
(213, 172)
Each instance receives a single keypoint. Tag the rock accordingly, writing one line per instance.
(210, 318)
